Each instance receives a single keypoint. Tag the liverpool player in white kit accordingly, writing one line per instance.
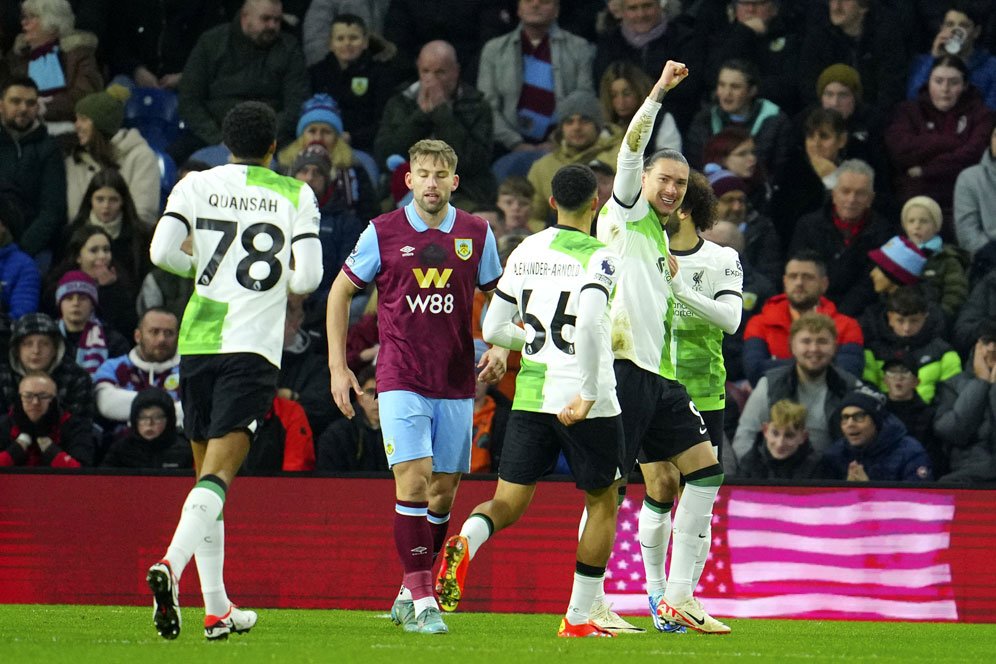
(558, 282)
(661, 423)
(248, 227)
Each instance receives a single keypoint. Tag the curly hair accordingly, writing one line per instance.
(249, 130)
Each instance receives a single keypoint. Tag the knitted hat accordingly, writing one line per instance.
(723, 182)
(29, 324)
(583, 103)
(76, 281)
(105, 109)
(320, 108)
(843, 74)
(399, 166)
(314, 154)
(905, 361)
(928, 204)
(900, 259)
(868, 400)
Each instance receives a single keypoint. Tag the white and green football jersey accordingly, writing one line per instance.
(643, 306)
(243, 220)
(697, 344)
(544, 276)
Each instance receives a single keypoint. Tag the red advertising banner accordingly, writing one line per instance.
(850, 553)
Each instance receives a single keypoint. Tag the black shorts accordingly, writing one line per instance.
(593, 449)
(714, 420)
(658, 416)
(225, 393)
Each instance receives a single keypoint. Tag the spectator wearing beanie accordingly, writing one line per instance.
(898, 262)
(19, 276)
(320, 122)
(839, 88)
(762, 247)
(581, 136)
(103, 143)
(151, 441)
(87, 340)
(945, 272)
(37, 345)
(875, 445)
(340, 224)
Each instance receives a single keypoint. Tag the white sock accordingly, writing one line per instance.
(477, 530)
(200, 511)
(700, 562)
(691, 527)
(404, 594)
(424, 603)
(210, 559)
(600, 593)
(582, 597)
(655, 533)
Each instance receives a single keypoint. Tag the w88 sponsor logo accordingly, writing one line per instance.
(437, 303)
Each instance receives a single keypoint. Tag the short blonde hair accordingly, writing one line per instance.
(815, 323)
(54, 15)
(435, 150)
(787, 414)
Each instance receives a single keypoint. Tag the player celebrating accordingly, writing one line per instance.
(426, 260)
(661, 423)
(708, 291)
(247, 224)
(558, 282)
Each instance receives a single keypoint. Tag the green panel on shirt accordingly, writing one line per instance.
(287, 187)
(529, 386)
(577, 245)
(700, 366)
(203, 320)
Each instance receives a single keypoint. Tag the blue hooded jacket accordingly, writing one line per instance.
(894, 455)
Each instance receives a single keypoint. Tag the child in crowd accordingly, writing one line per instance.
(907, 325)
(87, 339)
(515, 198)
(151, 441)
(945, 270)
(901, 381)
(784, 450)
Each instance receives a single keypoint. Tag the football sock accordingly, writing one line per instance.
(701, 560)
(587, 579)
(200, 511)
(655, 533)
(477, 529)
(404, 594)
(439, 524)
(691, 530)
(210, 559)
(413, 540)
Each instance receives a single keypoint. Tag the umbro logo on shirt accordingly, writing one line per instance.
(407, 251)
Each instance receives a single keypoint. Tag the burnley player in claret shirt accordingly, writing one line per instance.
(425, 260)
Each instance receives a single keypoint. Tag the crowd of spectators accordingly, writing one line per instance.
(851, 145)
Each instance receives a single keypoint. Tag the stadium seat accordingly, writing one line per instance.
(167, 176)
(155, 114)
(212, 155)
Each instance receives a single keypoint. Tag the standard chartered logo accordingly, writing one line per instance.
(436, 303)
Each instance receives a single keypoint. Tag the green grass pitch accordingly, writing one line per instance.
(81, 634)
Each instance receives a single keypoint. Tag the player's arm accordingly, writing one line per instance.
(494, 363)
(591, 334)
(165, 249)
(360, 268)
(629, 167)
(306, 248)
(498, 327)
(724, 311)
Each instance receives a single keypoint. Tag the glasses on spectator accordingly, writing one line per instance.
(857, 417)
(151, 419)
(36, 397)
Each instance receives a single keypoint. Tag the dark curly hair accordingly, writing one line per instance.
(573, 186)
(700, 201)
(249, 130)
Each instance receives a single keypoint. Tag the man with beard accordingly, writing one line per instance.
(32, 175)
(766, 338)
(660, 422)
(249, 58)
(153, 362)
(426, 259)
(808, 379)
